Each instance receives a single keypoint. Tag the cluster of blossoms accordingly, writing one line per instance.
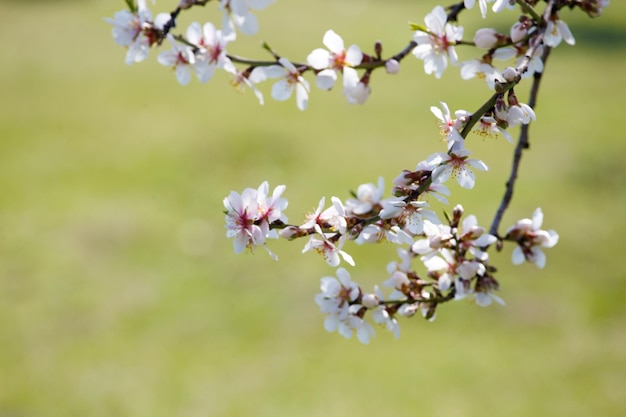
(203, 48)
(453, 253)
(250, 214)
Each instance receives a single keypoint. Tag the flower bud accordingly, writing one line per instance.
(518, 31)
(408, 310)
(378, 49)
(370, 300)
(403, 179)
(392, 66)
(457, 213)
(486, 38)
(510, 74)
(501, 109)
(290, 232)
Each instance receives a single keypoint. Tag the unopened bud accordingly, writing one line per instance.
(518, 31)
(289, 232)
(510, 74)
(408, 310)
(486, 38)
(370, 300)
(457, 213)
(392, 66)
(378, 49)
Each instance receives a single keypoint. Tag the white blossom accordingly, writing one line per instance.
(331, 252)
(436, 44)
(336, 58)
(456, 164)
(367, 197)
(211, 52)
(556, 31)
(180, 58)
(289, 80)
(531, 239)
(136, 31)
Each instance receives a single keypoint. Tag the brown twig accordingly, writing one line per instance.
(523, 141)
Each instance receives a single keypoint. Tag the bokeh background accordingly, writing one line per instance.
(121, 296)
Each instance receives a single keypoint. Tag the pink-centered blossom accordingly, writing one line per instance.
(324, 244)
(409, 214)
(449, 127)
(530, 239)
(241, 215)
(488, 127)
(136, 31)
(249, 216)
(211, 53)
(457, 164)
(289, 80)
(333, 217)
(270, 209)
(242, 79)
(435, 44)
(180, 58)
(334, 60)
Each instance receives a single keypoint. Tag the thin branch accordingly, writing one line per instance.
(171, 23)
(522, 143)
(455, 9)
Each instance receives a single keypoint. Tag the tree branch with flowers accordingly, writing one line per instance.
(439, 260)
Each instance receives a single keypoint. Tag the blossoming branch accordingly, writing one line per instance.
(439, 260)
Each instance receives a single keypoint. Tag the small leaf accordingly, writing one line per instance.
(417, 26)
(131, 5)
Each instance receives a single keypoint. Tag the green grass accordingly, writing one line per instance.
(120, 295)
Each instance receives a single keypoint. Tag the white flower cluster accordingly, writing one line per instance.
(453, 254)
(437, 40)
(203, 49)
(250, 214)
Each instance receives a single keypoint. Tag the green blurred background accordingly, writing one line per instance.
(120, 295)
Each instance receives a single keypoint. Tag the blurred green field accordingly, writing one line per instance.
(120, 295)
